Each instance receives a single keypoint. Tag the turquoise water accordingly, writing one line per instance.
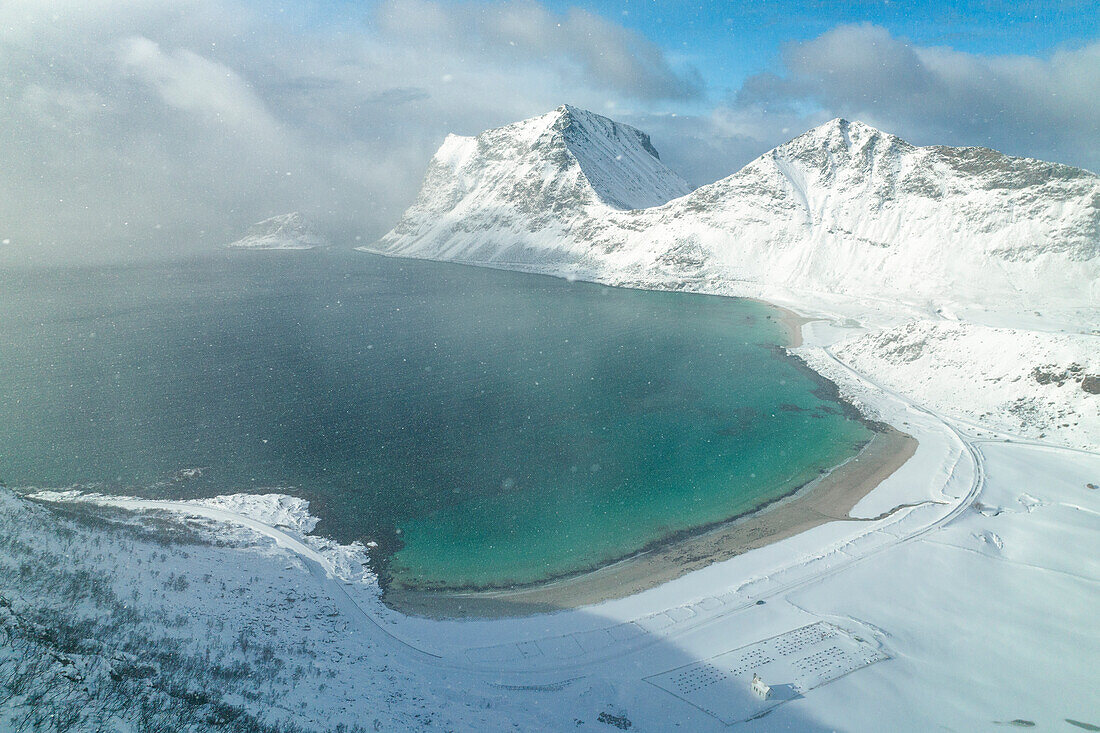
(485, 428)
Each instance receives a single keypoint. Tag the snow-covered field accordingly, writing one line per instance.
(108, 623)
(1037, 385)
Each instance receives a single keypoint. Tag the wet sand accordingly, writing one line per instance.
(828, 498)
(792, 323)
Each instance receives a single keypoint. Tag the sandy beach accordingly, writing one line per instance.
(792, 322)
(828, 498)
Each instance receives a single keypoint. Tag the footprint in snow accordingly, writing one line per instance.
(1030, 502)
(992, 539)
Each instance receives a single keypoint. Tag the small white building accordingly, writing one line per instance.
(759, 688)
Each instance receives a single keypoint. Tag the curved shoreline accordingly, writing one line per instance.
(831, 497)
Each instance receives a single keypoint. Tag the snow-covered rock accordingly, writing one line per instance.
(843, 208)
(285, 231)
(1026, 383)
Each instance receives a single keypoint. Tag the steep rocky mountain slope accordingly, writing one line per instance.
(527, 191)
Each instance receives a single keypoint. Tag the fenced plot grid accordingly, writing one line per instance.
(791, 663)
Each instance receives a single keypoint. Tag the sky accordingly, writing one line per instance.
(143, 125)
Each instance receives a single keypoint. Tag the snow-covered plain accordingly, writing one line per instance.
(960, 596)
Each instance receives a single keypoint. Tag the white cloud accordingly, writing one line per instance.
(187, 81)
(189, 114)
(1021, 105)
(1042, 107)
(578, 44)
(58, 107)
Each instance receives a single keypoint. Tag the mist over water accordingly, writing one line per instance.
(496, 427)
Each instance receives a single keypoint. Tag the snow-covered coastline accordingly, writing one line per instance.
(959, 594)
(984, 436)
(971, 515)
(280, 517)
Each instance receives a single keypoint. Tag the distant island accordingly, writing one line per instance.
(285, 231)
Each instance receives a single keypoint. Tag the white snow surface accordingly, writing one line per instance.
(285, 231)
(277, 510)
(842, 209)
(1022, 383)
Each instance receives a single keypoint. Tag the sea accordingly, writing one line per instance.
(481, 428)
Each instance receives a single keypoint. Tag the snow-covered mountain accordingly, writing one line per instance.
(528, 192)
(285, 231)
(843, 208)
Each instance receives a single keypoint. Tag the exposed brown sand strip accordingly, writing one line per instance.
(792, 323)
(829, 498)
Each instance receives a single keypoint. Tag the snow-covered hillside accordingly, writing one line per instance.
(109, 622)
(843, 208)
(1038, 385)
(285, 231)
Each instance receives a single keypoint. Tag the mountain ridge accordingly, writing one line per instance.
(843, 208)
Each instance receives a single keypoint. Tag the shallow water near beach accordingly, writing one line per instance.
(487, 428)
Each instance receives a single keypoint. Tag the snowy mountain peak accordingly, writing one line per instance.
(536, 178)
(579, 124)
(618, 163)
(850, 132)
(577, 128)
(841, 143)
(843, 209)
(285, 231)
